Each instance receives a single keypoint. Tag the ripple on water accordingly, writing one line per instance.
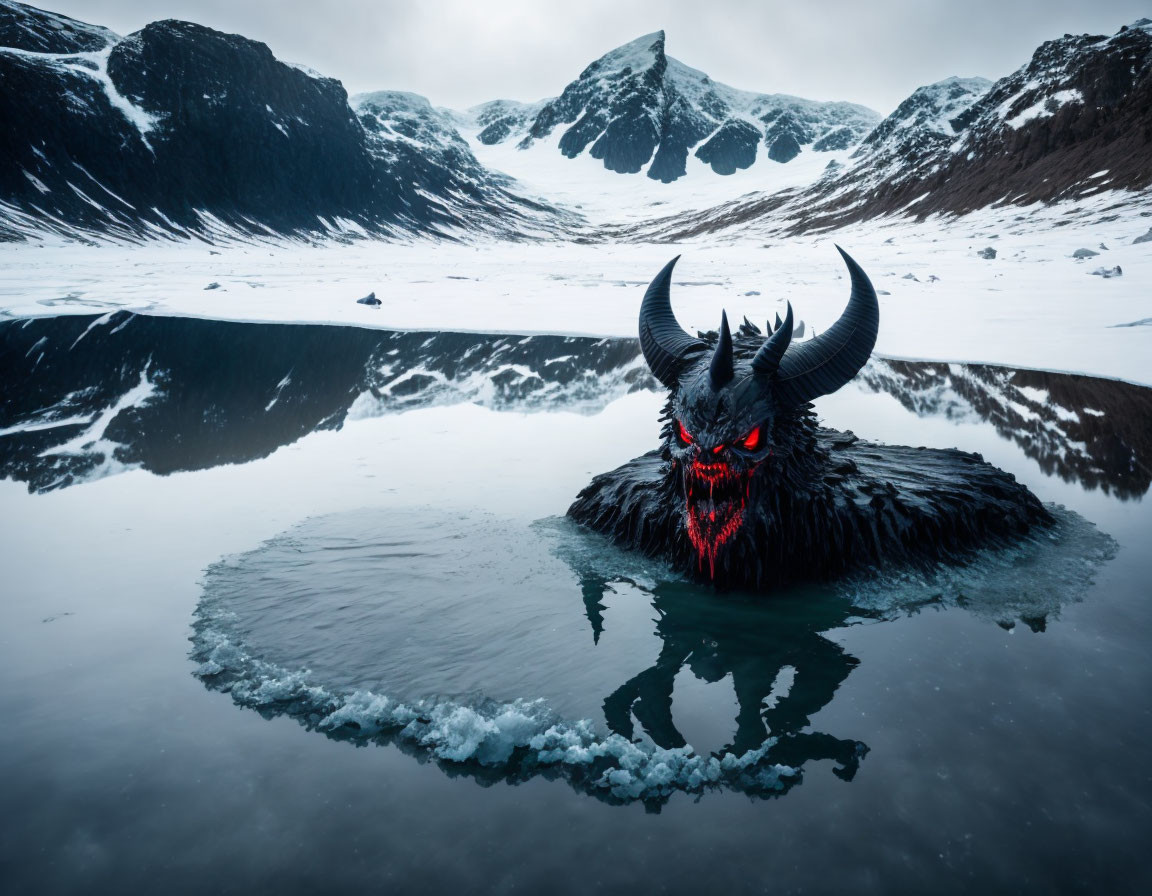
(506, 651)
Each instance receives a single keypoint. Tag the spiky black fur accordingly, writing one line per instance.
(821, 505)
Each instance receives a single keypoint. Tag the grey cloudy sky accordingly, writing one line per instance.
(458, 53)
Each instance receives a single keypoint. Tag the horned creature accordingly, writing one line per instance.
(747, 491)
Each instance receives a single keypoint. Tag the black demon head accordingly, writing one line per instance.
(736, 405)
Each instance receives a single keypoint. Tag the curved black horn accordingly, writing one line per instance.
(722, 370)
(665, 344)
(767, 360)
(826, 362)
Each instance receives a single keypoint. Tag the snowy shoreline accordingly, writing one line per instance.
(1032, 306)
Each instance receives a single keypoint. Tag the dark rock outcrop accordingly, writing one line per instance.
(841, 138)
(784, 148)
(732, 147)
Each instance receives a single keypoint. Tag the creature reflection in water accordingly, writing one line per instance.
(758, 647)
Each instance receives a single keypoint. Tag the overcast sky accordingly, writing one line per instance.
(462, 52)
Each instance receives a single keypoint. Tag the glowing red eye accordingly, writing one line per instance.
(683, 433)
(751, 441)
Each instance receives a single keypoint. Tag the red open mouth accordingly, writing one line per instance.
(716, 498)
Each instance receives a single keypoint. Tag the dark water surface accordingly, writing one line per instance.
(406, 673)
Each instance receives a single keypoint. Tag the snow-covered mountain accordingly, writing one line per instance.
(1073, 122)
(420, 145)
(498, 120)
(180, 129)
(638, 109)
(927, 121)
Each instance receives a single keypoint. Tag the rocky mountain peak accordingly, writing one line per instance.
(634, 57)
(638, 109)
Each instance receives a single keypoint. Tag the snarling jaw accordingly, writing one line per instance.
(719, 439)
(727, 396)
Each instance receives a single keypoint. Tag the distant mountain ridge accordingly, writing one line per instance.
(1073, 121)
(178, 131)
(636, 108)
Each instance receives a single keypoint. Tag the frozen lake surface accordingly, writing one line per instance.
(292, 607)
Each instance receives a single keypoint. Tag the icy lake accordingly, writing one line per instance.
(294, 608)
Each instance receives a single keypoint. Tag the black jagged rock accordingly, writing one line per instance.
(730, 148)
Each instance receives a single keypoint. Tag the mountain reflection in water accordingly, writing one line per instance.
(100, 394)
(1083, 429)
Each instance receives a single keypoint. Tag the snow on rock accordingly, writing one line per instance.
(497, 120)
(40, 31)
(144, 122)
(921, 123)
(1043, 107)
